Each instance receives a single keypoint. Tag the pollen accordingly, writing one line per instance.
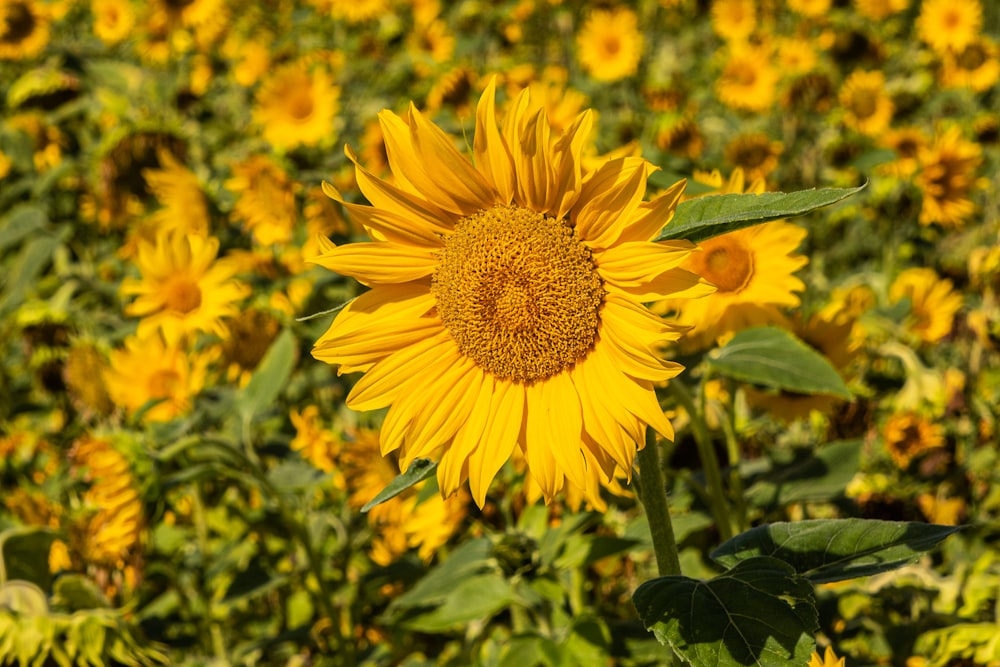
(519, 292)
(725, 263)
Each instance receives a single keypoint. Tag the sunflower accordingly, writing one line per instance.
(24, 29)
(609, 44)
(454, 90)
(249, 337)
(734, 20)
(266, 203)
(183, 288)
(829, 659)
(755, 154)
(505, 307)
(947, 177)
(430, 44)
(748, 79)
(680, 135)
(810, 8)
(296, 106)
(358, 11)
(976, 66)
(906, 142)
(317, 444)
(909, 434)
(114, 20)
(949, 24)
(752, 268)
(549, 91)
(877, 10)
(795, 55)
(149, 369)
(867, 107)
(933, 302)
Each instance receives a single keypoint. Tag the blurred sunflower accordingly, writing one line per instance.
(505, 307)
(562, 104)
(183, 288)
(266, 200)
(316, 443)
(753, 270)
(114, 20)
(84, 383)
(184, 208)
(949, 24)
(877, 10)
(976, 66)
(829, 659)
(405, 521)
(249, 337)
(680, 135)
(24, 29)
(430, 44)
(734, 20)
(933, 302)
(454, 90)
(755, 154)
(609, 44)
(909, 434)
(795, 55)
(811, 8)
(296, 106)
(358, 11)
(149, 369)
(947, 177)
(867, 107)
(250, 55)
(906, 142)
(748, 79)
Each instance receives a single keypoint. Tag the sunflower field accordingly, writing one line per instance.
(527, 333)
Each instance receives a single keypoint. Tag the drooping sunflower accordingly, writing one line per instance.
(505, 307)
(183, 288)
(867, 107)
(266, 203)
(933, 302)
(949, 24)
(24, 29)
(976, 66)
(947, 178)
(114, 20)
(609, 44)
(748, 79)
(296, 106)
(754, 272)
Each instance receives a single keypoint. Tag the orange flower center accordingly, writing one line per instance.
(518, 292)
(300, 107)
(182, 295)
(163, 383)
(725, 263)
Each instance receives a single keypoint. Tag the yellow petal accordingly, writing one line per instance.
(493, 157)
(379, 262)
(569, 167)
(381, 385)
(536, 178)
(453, 468)
(358, 350)
(448, 395)
(634, 262)
(609, 197)
(652, 216)
(538, 442)
(500, 436)
(380, 307)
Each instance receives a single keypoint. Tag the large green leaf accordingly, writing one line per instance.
(474, 599)
(22, 275)
(269, 378)
(702, 218)
(24, 555)
(822, 474)
(825, 550)
(774, 358)
(418, 471)
(758, 613)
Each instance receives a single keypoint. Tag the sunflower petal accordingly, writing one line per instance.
(610, 194)
(453, 468)
(383, 382)
(652, 216)
(498, 440)
(379, 262)
(633, 262)
(493, 157)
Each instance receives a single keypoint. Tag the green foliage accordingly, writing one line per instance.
(19, 550)
(776, 359)
(418, 471)
(705, 217)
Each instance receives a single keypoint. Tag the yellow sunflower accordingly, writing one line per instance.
(795, 55)
(454, 90)
(906, 142)
(184, 208)
(734, 20)
(947, 177)
(829, 659)
(549, 91)
(909, 434)
(266, 203)
(748, 79)
(949, 24)
(976, 66)
(24, 29)
(149, 369)
(505, 307)
(114, 20)
(933, 302)
(753, 270)
(867, 107)
(183, 288)
(249, 337)
(316, 443)
(296, 106)
(358, 11)
(609, 44)
(811, 8)
(755, 154)
(877, 10)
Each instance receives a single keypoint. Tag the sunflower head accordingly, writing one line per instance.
(506, 303)
(24, 29)
(609, 44)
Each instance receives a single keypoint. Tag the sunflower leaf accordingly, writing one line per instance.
(835, 549)
(758, 613)
(775, 358)
(705, 217)
(269, 378)
(418, 471)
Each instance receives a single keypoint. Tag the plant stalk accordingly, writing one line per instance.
(653, 495)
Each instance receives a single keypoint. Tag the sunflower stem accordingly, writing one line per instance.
(709, 462)
(653, 495)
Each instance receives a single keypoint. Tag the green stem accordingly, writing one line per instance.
(653, 494)
(709, 462)
(201, 535)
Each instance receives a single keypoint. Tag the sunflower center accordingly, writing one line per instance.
(972, 57)
(518, 292)
(20, 23)
(301, 106)
(724, 263)
(863, 103)
(163, 384)
(612, 46)
(182, 295)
